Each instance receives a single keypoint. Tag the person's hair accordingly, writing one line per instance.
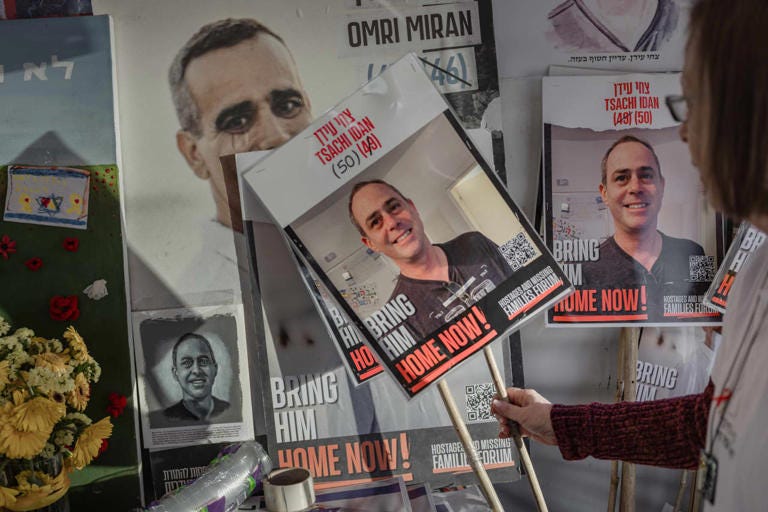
(727, 50)
(359, 185)
(191, 336)
(624, 140)
(213, 36)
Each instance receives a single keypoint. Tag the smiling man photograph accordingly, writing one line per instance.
(194, 369)
(440, 280)
(637, 254)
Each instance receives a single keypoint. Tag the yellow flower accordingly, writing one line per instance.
(78, 397)
(29, 481)
(7, 496)
(16, 444)
(89, 442)
(5, 370)
(53, 361)
(19, 396)
(38, 414)
(77, 348)
(39, 340)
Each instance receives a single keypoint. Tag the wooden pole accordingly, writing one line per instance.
(681, 490)
(695, 502)
(629, 340)
(469, 449)
(618, 396)
(525, 458)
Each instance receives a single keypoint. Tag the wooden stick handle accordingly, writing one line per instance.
(469, 449)
(619, 396)
(525, 458)
(629, 338)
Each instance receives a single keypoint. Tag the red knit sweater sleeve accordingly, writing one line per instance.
(669, 433)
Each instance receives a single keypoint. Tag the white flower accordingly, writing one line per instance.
(64, 437)
(50, 381)
(97, 290)
(24, 334)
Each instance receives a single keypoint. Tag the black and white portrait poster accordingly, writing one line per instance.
(626, 213)
(192, 385)
(641, 35)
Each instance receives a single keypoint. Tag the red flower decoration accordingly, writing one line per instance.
(7, 246)
(71, 244)
(103, 447)
(117, 403)
(34, 264)
(63, 308)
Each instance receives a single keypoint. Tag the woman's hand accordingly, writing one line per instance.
(530, 410)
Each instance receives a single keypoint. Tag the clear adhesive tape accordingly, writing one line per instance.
(289, 490)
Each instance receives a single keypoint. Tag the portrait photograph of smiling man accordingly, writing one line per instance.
(440, 280)
(425, 222)
(638, 253)
(629, 214)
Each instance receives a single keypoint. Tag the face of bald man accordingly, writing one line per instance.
(633, 189)
(249, 97)
(391, 223)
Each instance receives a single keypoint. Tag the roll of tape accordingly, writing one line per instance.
(289, 490)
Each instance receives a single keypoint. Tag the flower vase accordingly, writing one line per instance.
(53, 467)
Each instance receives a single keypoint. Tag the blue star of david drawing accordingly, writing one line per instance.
(50, 204)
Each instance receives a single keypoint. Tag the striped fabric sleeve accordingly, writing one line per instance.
(668, 433)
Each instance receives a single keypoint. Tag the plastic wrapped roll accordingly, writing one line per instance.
(234, 474)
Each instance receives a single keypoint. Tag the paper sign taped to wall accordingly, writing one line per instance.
(50, 196)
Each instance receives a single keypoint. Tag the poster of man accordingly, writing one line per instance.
(411, 205)
(191, 382)
(422, 223)
(627, 216)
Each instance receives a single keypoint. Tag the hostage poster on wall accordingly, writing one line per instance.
(390, 194)
(626, 215)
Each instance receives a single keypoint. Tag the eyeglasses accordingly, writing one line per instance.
(678, 107)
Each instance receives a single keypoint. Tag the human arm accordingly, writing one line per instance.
(667, 433)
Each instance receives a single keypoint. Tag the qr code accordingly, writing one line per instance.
(702, 268)
(478, 398)
(518, 252)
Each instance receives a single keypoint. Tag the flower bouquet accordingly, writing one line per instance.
(44, 435)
